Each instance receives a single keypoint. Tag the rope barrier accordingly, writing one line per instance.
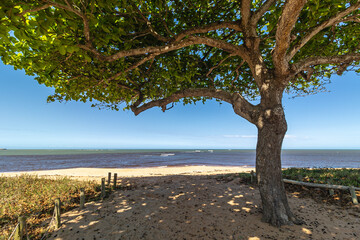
(26, 232)
(12, 234)
(51, 221)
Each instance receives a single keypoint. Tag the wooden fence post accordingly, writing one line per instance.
(252, 175)
(353, 195)
(109, 178)
(20, 230)
(102, 188)
(57, 213)
(115, 179)
(82, 198)
(331, 191)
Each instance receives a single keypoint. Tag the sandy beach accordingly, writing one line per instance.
(98, 173)
(193, 203)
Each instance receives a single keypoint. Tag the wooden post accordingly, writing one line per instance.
(102, 188)
(82, 198)
(109, 178)
(57, 213)
(20, 230)
(252, 174)
(331, 191)
(353, 195)
(115, 179)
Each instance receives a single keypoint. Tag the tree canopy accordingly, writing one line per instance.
(118, 51)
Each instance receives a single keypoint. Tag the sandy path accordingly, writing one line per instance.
(200, 207)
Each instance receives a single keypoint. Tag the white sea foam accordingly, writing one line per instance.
(167, 154)
(195, 151)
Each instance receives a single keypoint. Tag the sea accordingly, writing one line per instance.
(30, 160)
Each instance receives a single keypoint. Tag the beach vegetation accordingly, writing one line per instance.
(335, 176)
(33, 197)
(138, 55)
(344, 176)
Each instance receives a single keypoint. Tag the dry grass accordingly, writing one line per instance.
(34, 196)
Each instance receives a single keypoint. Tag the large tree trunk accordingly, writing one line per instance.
(271, 131)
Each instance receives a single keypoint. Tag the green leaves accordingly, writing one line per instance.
(62, 50)
(87, 58)
(67, 47)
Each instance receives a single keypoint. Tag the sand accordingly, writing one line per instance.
(98, 173)
(192, 203)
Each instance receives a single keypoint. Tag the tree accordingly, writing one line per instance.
(156, 53)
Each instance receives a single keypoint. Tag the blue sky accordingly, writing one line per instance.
(323, 121)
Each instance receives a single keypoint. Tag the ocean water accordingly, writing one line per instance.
(27, 160)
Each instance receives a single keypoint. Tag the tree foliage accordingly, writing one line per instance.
(133, 52)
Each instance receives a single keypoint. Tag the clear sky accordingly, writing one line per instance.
(323, 121)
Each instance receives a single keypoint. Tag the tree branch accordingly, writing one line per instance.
(211, 27)
(202, 92)
(313, 61)
(217, 65)
(93, 51)
(166, 27)
(132, 67)
(178, 42)
(139, 34)
(67, 7)
(355, 18)
(261, 11)
(332, 21)
(191, 40)
(35, 9)
(152, 30)
(237, 73)
(286, 23)
(80, 14)
(245, 109)
(245, 12)
(241, 106)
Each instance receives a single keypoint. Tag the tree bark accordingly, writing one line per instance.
(272, 127)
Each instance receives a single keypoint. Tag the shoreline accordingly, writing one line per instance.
(138, 172)
(134, 172)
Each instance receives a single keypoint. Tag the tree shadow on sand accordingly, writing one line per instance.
(199, 207)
